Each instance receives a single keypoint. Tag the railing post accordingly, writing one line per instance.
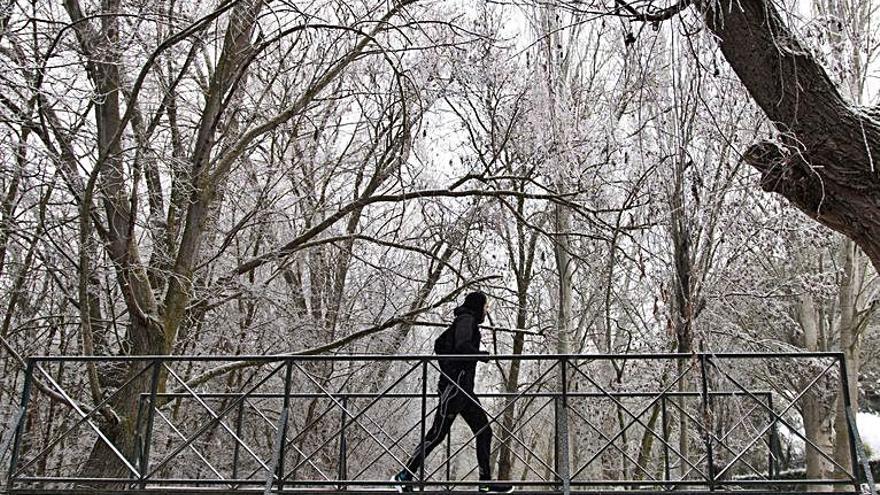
(19, 422)
(854, 440)
(342, 470)
(277, 465)
(138, 426)
(707, 421)
(865, 463)
(664, 417)
(422, 432)
(562, 460)
(144, 461)
(771, 445)
(239, 417)
(844, 383)
(556, 436)
(283, 426)
(448, 465)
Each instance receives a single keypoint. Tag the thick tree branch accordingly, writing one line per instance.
(294, 245)
(823, 161)
(389, 323)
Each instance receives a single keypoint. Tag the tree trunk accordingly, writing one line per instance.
(814, 408)
(682, 302)
(850, 346)
(823, 161)
(817, 428)
(144, 335)
(555, 85)
(505, 459)
(147, 335)
(233, 61)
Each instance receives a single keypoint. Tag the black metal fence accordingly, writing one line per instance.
(569, 423)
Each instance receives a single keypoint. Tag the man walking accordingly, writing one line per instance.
(456, 391)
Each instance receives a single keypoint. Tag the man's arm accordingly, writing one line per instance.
(464, 335)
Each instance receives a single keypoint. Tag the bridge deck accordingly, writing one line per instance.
(364, 491)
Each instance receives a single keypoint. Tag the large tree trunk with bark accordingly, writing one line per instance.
(824, 159)
(815, 408)
(149, 332)
(852, 320)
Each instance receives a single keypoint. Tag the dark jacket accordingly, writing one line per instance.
(466, 341)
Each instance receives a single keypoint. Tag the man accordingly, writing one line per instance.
(456, 391)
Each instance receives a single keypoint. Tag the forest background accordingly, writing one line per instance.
(277, 176)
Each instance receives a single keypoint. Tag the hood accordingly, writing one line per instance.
(461, 310)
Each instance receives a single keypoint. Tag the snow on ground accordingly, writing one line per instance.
(869, 430)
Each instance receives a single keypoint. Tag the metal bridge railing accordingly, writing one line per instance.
(573, 423)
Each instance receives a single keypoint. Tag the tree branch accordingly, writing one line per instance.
(389, 323)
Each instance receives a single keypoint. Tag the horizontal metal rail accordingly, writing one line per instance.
(489, 395)
(387, 483)
(435, 357)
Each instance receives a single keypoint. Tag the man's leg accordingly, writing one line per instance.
(476, 418)
(440, 428)
(478, 422)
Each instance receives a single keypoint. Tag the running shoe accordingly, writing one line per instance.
(401, 482)
(496, 488)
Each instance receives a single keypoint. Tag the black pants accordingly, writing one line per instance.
(454, 402)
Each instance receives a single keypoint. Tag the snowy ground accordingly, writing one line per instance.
(869, 430)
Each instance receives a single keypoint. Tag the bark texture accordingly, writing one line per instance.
(824, 159)
(815, 407)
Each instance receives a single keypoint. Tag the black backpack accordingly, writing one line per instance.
(445, 343)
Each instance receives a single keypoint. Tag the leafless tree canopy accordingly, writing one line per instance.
(299, 177)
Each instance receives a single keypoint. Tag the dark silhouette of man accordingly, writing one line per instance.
(457, 398)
